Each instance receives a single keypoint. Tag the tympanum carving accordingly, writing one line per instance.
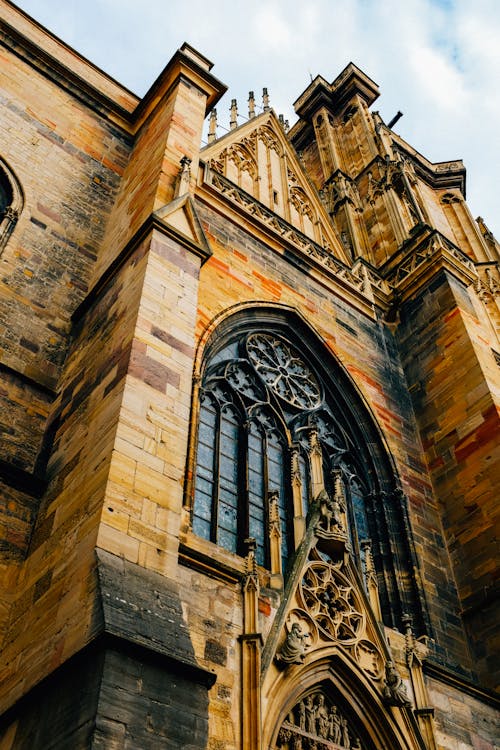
(316, 723)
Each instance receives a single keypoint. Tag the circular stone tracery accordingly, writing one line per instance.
(331, 602)
(286, 374)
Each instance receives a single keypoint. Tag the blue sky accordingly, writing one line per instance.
(438, 61)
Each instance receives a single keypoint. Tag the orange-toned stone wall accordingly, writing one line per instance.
(243, 269)
(450, 370)
(98, 540)
(171, 131)
(68, 160)
(462, 720)
(141, 514)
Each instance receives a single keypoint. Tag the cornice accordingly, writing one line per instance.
(187, 64)
(441, 175)
(36, 57)
(421, 258)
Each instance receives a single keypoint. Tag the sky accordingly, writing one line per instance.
(437, 61)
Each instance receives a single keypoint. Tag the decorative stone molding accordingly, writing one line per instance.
(310, 249)
(329, 610)
(427, 252)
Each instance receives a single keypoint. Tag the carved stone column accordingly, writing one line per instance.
(7, 223)
(324, 127)
(371, 579)
(299, 521)
(251, 646)
(316, 459)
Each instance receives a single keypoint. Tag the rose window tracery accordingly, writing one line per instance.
(283, 371)
(276, 420)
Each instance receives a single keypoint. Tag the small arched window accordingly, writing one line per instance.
(5, 196)
(11, 202)
(275, 428)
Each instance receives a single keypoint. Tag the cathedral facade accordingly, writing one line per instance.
(249, 422)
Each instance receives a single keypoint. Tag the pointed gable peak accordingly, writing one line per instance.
(259, 158)
(180, 215)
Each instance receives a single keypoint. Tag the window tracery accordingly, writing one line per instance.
(276, 434)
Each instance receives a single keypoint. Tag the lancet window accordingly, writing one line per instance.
(276, 431)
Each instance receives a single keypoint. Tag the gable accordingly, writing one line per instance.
(259, 159)
(327, 675)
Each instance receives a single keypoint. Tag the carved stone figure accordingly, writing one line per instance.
(330, 514)
(310, 715)
(293, 649)
(394, 690)
(315, 723)
(335, 725)
(346, 742)
(322, 719)
(302, 715)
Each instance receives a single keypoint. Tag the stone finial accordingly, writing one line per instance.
(274, 513)
(366, 546)
(233, 122)
(251, 105)
(265, 100)
(250, 559)
(409, 636)
(212, 126)
(284, 123)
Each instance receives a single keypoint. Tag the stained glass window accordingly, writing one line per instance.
(258, 394)
(268, 412)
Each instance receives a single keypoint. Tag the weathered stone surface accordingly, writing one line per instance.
(110, 306)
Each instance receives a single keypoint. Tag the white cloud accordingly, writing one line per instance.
(436, 60)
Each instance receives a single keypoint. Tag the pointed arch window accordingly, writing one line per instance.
(11, 202)
(274, 429)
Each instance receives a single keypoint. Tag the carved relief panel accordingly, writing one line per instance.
(316, 723)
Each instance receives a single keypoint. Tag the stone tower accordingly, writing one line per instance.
(249, 420)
